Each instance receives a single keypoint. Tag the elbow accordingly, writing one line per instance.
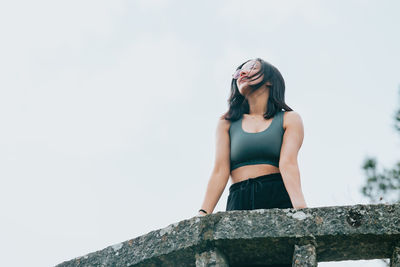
(220, 176)
(223, 171)
(288, 164)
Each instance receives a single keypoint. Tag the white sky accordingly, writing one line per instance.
(108, 110)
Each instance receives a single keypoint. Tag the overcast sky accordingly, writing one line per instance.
(108, 110)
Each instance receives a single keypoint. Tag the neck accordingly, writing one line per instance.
(258, 102)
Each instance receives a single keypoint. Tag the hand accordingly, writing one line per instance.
(201, 214)
(299, 204)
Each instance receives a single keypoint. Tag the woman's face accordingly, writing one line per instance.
(250, 68)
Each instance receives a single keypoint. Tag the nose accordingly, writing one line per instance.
(244, 72)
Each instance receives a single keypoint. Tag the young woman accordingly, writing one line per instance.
(257, 144)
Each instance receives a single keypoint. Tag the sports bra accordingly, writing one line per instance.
(256, 148)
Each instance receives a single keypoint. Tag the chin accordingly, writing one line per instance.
(243, 88)
(243, 91)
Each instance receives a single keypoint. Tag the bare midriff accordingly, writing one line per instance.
(250, 171)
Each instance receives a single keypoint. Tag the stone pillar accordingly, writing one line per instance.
(305, 256)
(210, 258)
(395, 259)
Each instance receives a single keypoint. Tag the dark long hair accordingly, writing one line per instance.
(238, 104)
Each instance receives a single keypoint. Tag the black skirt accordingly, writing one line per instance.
(262, 192)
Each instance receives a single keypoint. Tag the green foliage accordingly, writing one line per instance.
(382, 186)
(397, 121)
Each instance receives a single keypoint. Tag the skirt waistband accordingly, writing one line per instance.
(268, 177)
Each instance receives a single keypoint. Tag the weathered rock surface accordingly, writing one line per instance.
(262, 237)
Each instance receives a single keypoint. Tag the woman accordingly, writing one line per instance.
(257, 144)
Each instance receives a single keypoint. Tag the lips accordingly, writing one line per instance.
(242, 79)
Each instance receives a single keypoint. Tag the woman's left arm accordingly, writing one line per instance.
(288, 166)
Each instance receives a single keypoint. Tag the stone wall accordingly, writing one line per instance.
(262, 237)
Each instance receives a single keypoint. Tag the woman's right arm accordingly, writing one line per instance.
(221, 171)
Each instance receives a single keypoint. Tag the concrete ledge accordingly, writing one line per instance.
(264, 236)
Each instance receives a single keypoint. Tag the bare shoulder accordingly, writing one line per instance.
(291, 118)
(223, 124)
